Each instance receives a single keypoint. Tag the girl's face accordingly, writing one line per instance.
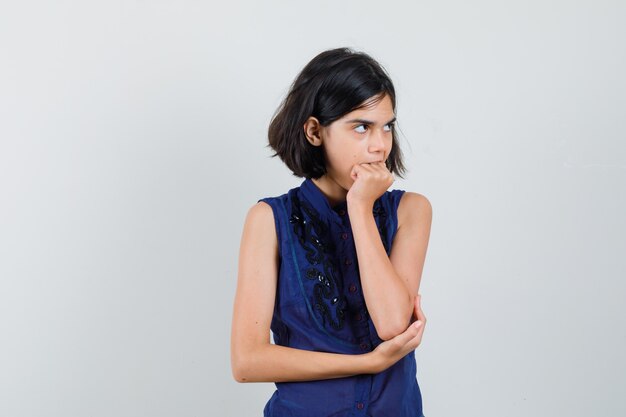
(361, 136)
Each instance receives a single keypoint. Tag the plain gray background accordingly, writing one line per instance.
(132, 144)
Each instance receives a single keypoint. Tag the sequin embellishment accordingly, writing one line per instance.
(313, 236)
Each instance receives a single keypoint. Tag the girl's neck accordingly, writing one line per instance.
(334, 193)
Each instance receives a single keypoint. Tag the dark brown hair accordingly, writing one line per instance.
(331, 85)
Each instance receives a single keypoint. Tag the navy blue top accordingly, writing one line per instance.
(320, 307)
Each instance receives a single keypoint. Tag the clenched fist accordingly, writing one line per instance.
(371, 180)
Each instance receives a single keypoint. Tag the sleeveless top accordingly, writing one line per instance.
(319, 306)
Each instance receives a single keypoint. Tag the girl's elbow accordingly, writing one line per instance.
(238, 366)
(389, 332)
(384, 336)
(239, 377)
(239, 370)
(244, 364)
(392, 329)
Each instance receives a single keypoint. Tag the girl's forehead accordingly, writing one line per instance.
(380, 108)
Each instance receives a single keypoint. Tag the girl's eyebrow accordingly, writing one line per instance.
(368, 122)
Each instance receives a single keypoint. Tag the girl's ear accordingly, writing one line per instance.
(312, 131)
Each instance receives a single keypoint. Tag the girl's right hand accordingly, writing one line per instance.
(391, 351)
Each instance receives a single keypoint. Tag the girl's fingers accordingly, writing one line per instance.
(354, 173)
(420, 313)
(374, 168)
(415, 334)
(410, 333)
(379, 169)
(361, 169)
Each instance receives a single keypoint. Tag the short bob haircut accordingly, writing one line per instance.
(333, 84)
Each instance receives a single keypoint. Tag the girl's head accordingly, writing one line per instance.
(339, 111)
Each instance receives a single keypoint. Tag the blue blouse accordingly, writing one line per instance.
(320, 307)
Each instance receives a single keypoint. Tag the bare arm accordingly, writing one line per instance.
(390, 284)
(253, 357)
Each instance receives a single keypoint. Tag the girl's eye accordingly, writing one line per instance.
(362, 128)
(391, 126)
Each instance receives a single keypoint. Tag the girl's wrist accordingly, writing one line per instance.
(359, 206)
(373, 362)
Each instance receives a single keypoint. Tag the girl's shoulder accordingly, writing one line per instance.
(413, 207)
(412, 199)
(277, 197)
(271, 210)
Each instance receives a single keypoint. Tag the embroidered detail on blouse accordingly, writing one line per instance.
(313, 235)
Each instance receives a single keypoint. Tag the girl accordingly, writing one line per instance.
(333, 267)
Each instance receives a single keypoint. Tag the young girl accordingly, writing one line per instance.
(333, 267)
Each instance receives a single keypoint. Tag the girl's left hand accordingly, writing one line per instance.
(371, 180)
(390, 351)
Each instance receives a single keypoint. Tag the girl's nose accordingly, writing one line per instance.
(377, 142)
